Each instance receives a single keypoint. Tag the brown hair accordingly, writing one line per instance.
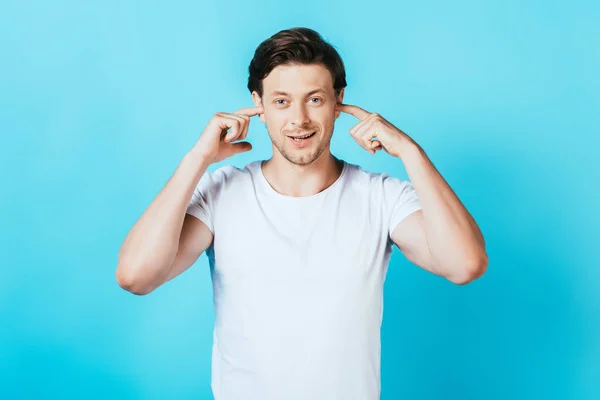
(295, 46)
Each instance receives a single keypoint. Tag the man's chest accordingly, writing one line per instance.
(327, 246)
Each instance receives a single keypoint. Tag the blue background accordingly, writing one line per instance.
(100, 102)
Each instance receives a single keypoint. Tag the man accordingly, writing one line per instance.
(299, 244)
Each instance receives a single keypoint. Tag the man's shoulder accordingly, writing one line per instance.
(228, 176)
(377, 181)
(359, 174)
(233, 171)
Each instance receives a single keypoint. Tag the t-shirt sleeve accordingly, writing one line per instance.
(400, 199)
(201, 204)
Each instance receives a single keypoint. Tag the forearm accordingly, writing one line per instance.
(151, 245)
(455, 241)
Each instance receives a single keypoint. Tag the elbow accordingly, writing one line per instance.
(470, 270)
(126, 280)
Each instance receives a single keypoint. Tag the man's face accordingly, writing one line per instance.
(299, 100)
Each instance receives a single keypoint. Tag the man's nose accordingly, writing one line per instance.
(300, 115)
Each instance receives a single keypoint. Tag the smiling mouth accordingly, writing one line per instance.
(300, 138)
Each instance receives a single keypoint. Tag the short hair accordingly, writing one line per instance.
(295, 46)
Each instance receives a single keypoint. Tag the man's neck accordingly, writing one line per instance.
(302, 180)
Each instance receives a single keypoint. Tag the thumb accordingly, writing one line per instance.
(240, 147)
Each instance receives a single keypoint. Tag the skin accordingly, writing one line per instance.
(442, 238)
(296, 171)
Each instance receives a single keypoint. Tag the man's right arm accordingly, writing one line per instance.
(165, 241)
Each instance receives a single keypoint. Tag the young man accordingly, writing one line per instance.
(299, 244)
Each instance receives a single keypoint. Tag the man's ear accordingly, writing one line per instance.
(258, 103)
(339, 99)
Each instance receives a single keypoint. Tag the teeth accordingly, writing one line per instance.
(302, 137)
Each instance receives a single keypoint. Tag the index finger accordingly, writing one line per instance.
(250, 111)
(354, 110)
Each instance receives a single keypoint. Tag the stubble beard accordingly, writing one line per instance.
(301, 156)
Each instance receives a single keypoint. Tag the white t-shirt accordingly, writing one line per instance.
(298, 282)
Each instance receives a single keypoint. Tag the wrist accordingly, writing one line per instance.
(409, 149)
(198, 157)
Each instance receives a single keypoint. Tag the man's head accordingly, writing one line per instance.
(298, 78)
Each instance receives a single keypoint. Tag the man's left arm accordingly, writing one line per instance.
(442, 237)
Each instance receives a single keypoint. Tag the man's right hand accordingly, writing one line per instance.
(215, 143)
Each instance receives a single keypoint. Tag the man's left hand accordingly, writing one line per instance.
(371, 126)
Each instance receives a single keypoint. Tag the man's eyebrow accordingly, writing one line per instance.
(279, 92)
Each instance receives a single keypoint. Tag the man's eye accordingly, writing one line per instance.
(316, 98)
(278, 101)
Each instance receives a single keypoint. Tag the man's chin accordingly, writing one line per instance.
(300, 158)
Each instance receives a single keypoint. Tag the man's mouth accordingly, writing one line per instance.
(301, 138)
